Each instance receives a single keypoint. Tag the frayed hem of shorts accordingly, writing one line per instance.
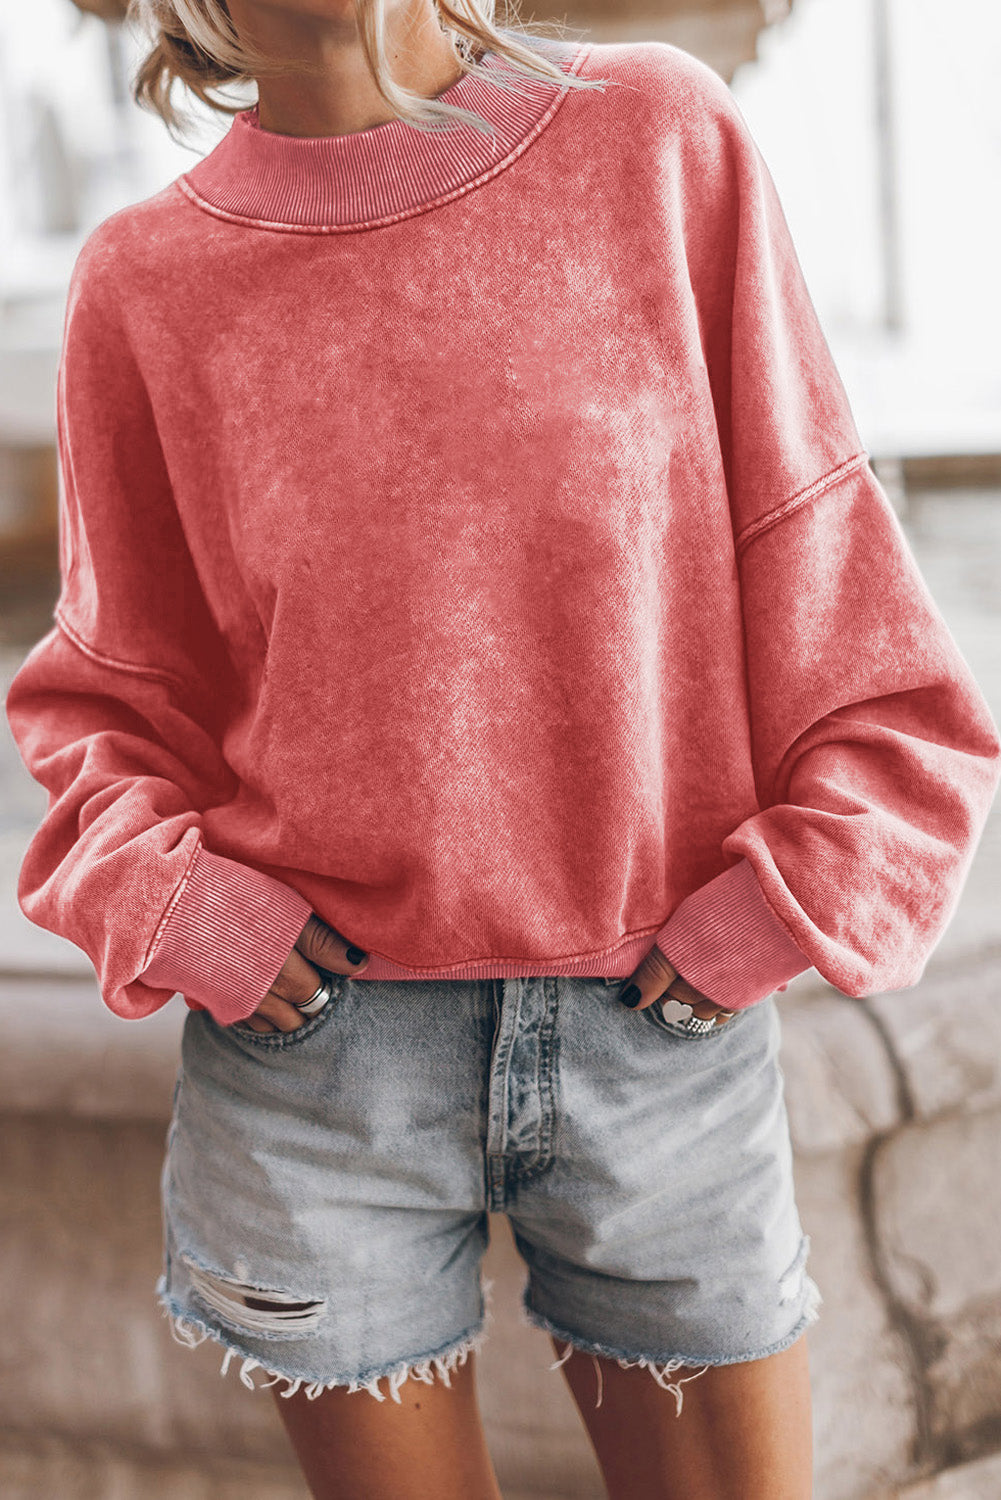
(191, 1331)
(662, 1369)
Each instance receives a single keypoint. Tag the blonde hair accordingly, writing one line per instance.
(196, 42)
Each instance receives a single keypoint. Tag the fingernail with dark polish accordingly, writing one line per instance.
(631, 996)
(356, 955)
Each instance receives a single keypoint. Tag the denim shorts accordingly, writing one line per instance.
(326, 1191)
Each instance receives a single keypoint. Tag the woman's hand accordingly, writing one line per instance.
(657, 979)
(298, 979)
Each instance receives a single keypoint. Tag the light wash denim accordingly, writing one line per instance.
(326, 1191)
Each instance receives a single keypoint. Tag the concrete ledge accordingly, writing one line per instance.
(946, 1035)
(43, 1464)
(64, 1052)
(976, 1481)
(841, 1086)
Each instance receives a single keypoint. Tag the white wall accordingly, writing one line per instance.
(70, 155)
(53, 54)
(811, 102)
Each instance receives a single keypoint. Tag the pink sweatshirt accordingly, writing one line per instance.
(468, 539)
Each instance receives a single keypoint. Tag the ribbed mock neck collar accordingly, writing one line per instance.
(391, 170)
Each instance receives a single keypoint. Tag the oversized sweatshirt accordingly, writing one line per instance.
(466, 537)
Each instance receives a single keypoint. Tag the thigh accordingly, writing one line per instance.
(430, 1447)
(747, 1432)
(666, 1228)
(322, 1189)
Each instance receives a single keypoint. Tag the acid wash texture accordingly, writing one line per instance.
(468, 539)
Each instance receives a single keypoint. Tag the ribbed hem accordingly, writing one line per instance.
(356, 180)
(607, 962)
(227, 937)
(726, 941)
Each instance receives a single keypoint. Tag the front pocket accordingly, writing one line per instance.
(655, 1015)
(278, 1040)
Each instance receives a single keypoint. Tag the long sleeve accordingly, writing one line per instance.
(875, 755)
(117, 712)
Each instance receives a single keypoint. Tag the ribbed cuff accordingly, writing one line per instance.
(227, 938)
(726, 941)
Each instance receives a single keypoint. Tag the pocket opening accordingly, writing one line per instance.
(277, 1040)
(655, 1014)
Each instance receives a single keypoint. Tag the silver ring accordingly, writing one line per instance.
(317, 999)
(699, 1026)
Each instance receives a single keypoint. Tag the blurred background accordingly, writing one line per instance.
(881, 123)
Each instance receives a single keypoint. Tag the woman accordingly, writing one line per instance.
(478, 609)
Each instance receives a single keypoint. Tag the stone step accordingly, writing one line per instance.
(87, 1351)
(852, 1068)
(46, 1467)
(980, 1480)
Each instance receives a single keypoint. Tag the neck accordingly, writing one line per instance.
(332, 91)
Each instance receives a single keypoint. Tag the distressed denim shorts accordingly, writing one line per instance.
(326, 1191)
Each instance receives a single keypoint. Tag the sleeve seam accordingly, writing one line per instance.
(826, 481)
(776, 917)
(136, 669)
(168, 911)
